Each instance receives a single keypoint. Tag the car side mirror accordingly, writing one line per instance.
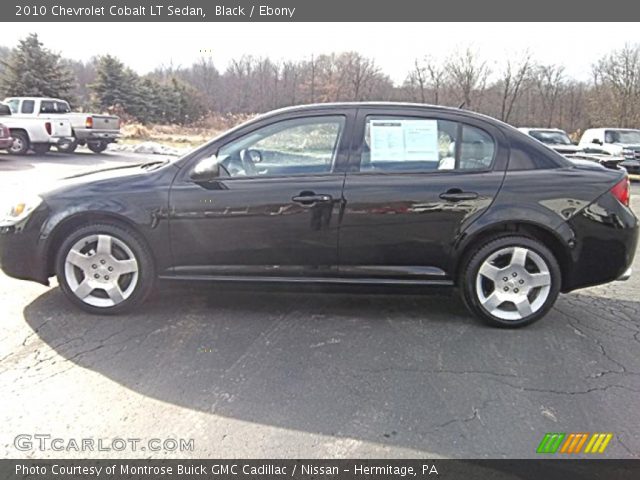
(206, 170)
(596, 141)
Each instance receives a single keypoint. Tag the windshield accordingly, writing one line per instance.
(622, 136)
(551, 137)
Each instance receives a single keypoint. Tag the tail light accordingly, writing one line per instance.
(88, 123)
(47, 127)
(622, 191)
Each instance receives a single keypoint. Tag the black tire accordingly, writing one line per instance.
(97, 147)
(41, 148)
(67, 147)
(469, 281)
(20, 143)
(145, 268)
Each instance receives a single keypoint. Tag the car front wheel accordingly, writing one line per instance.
(511, 281)
(20, 144)
(105, 269)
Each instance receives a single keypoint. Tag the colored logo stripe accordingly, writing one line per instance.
(573, 442)
(598, 443)
(550, 443)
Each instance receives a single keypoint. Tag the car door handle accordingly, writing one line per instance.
(455, 195)
(308, 199)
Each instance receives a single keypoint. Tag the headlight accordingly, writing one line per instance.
(13, 212)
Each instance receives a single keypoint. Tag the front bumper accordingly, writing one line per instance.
(22, 250)
(626, 275)
(6, 143)
(632, 167)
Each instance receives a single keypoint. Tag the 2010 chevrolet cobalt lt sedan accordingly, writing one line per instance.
(360, 193)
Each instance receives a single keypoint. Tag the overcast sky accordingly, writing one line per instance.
(394, 46)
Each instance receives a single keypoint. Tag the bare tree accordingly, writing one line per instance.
(513, 80)
(417, 80)
(426, 76)
(549, 82)
(617, 79)
(469, 75)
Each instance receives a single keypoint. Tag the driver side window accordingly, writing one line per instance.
(301, 146)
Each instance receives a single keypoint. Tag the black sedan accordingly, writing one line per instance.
(361, 193)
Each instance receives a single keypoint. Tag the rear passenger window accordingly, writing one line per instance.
(410, 144)
(47, 106)
(27, 106)
(477, 149)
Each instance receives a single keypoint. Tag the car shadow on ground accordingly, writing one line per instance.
(405, 370)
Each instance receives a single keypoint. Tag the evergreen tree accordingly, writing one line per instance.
(32, 70)
(113, 86)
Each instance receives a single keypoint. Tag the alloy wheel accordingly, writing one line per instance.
(17, 146)
(101, 270)
(513, 283)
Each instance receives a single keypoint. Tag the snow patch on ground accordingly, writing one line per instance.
(148, 148)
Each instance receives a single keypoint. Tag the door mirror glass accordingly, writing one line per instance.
(206, 170)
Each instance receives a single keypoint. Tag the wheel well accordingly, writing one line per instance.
(21, 130)
(547, 238)
(67, 226)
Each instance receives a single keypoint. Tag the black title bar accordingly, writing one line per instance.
(546, 469)
(315, 11)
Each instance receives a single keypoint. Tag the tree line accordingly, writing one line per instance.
(521, 90)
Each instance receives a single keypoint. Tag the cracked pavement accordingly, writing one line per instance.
(251, 372)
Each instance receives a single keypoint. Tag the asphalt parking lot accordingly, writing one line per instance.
(305, 374)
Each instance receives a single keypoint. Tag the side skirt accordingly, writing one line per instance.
(308, 280)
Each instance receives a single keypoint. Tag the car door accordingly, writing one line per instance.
(274, 208)
(416, 178)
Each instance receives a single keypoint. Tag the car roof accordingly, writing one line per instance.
(390, 105)
(36, 98)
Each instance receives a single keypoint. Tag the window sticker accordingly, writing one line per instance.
(404, 140)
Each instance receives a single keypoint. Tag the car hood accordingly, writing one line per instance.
(122, 174)
(566, 148)
(633, 146)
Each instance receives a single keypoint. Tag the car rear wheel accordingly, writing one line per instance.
(511, 281)
(97, 147)
(41, 148)
(67, 147)
(20, 144)
(105, 269)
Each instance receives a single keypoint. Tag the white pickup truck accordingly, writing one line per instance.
(620, 142)
(34, 133)
(93, 130)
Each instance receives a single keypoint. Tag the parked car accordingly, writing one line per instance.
(34, 133)
(5, 138)
(553, 138)
(621, 142)
(90, 129)
(608, 161)
(354, 193)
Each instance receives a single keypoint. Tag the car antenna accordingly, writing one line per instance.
(461, 105)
